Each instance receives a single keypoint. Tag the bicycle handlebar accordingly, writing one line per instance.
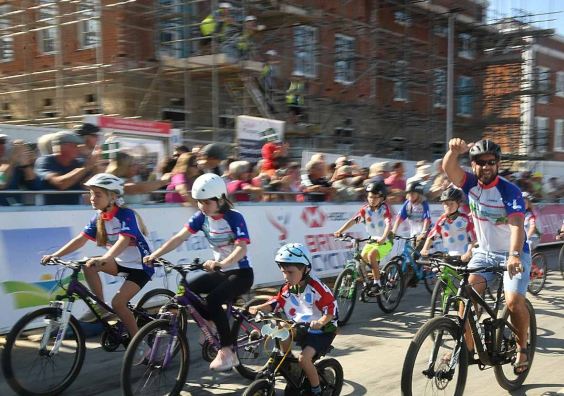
(74, 264)
(263, 317)
(412, 238)
(465, 270)
(195, 265)
(348, 237)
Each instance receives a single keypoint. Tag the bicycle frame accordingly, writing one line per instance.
(468, 296)
(75, 290)
(407, 258)
(193, 304)
(357, 264)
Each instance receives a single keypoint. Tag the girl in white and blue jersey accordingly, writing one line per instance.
(122, 231)
(226, 231)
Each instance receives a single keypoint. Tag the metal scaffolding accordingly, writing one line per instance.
(148, 59)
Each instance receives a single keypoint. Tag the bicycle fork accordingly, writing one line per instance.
(66, 309)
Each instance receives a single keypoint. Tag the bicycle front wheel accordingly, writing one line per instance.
(345, 291)
(539, 269)
(259, 387)
(392, 289)
(156, 362)
(330, 376)
(429, 367)
(30, 363)
(506, 346)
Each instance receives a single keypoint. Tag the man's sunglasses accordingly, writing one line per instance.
(486, 162)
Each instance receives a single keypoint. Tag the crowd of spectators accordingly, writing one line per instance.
(70, 157)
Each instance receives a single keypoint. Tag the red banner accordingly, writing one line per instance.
(135, 126)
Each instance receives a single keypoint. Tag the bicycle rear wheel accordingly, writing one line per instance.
(27, 363)
(539, 268)
(345, 291)
(249, 342)
(156, 362)
(392, 289)
(427, 367)
(506, 345)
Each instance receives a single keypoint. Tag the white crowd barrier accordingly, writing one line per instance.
(30, 232)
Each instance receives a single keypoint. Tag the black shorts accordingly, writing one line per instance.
(137, 276)
(319, 342)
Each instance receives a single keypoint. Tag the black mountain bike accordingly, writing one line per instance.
(438, 359)
(45, 349)
(286, 365)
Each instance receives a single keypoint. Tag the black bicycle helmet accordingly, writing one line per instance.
(415, 187)
(485, 146)
(377, 188)
(451, 194)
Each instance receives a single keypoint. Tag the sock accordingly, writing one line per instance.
(316, 390)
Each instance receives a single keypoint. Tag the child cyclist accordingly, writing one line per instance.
(123, 232)
(226, 231)
(304, 299)
(416, 210)
(454, 228)
(377, 218)
(533, 233)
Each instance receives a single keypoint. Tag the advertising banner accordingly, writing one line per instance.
(26, 236)
(253, 132)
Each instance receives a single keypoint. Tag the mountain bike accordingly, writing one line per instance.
(412, 271)
(45, 349)
(539, 270)
(356, 275)
(286, 365)
(157, 358)
(438, 357)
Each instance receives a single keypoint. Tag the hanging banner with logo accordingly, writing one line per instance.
(254, 132)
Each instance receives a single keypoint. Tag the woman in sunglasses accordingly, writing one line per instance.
(226, 231)
(498, 211)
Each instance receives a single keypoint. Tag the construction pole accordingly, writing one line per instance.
(99, 59)
(450, 78)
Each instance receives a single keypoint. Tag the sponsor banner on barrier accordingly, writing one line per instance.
(26, 236)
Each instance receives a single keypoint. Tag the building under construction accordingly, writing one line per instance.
(375, 73)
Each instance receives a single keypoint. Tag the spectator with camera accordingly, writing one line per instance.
(64, 169)
(315, 185)
(16, 170)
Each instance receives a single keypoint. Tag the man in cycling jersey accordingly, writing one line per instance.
(498, 211)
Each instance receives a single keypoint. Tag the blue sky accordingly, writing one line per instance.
(553, 11)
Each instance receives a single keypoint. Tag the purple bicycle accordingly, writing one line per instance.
(45, 349)
(157, 358)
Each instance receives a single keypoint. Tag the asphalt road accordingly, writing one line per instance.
(371, 349)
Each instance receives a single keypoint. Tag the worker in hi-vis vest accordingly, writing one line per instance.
(295, 97)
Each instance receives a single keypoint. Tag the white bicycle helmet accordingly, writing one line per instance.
(106, 181)
(209, 186)
(293, 253)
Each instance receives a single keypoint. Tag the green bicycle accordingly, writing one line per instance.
(357, 275)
